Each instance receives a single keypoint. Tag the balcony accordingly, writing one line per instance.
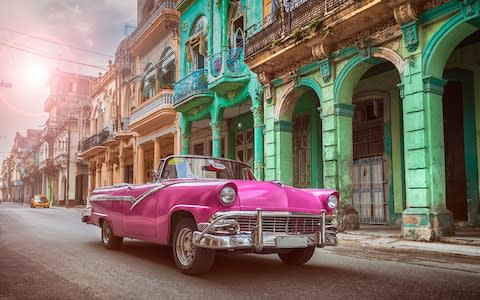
(228, 71)
(46, 165)
(192, 91)
(95, 140)
(276, 42)
(163, 20)
(155, 113)
(61, 160)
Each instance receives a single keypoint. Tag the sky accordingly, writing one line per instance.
(38, 36)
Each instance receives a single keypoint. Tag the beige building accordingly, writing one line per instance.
(64, 175)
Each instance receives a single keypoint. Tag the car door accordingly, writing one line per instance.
(140, 214)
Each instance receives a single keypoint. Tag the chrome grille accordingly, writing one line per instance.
(291, 225)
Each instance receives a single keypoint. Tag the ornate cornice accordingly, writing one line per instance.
(433, 4)
(367, 34)
(405, 13)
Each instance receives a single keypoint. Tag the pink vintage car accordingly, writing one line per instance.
(202, 205)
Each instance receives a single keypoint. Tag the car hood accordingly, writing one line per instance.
(273, 196)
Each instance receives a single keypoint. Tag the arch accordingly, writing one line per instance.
(199, 25)
(284, 105)
(357, 66)
(443, 43)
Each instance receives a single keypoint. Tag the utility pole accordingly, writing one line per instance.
(68, 161)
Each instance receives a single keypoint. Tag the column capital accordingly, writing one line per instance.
(257, 112)
(282, 125)
(344, 109)
(216, 128)
(434, 85)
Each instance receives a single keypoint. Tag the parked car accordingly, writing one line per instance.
(39, 201)
(202, 205)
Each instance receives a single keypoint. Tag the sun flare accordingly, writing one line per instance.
(37, 74)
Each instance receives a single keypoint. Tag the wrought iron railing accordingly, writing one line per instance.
(46, 163)
(228, 62)
(96, 139)
(153, 105)
(61, 159)
(192, 84)
(147, 22)
(296, 15)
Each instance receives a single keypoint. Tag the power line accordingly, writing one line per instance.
(55, 42)
(51, 57)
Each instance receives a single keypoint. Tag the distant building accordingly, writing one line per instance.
(64, 175)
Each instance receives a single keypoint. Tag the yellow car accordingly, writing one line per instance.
(39, 201)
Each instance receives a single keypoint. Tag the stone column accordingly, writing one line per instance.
(185, 133)
(140, 164)
(217, 138)
(283, 150)
(156, 153)
(258, 144)
(98, 177)
(91, 178)
(426, 217)
(121, 161)
(109, 164)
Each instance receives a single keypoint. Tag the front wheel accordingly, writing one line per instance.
(109, 240)
(188, 258)
(297, 256)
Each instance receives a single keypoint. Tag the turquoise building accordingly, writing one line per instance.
(378, 99)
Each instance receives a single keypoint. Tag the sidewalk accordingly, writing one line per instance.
(465, 242)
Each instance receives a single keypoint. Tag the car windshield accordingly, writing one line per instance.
(41, 199)
(205, 167)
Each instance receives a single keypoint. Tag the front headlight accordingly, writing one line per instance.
(332, 202)
(228, 195)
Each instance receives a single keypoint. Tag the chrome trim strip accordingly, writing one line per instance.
(259, 231)
(148, 193)
(242, 213)
(103, 197)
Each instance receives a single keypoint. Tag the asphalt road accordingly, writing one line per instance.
(51, 254)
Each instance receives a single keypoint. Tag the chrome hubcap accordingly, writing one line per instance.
(106, 232)
(184, 247)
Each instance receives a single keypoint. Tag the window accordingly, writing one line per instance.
(149, 82)
(166, 70)
(236, 25)
(196, 48)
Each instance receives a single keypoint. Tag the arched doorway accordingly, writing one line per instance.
(374, 151)
(299, 136)
(307, 141)
(460, 127)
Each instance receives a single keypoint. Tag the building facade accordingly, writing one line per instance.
(217, 96)
(377, 99)
(153, 47)
(63, 173)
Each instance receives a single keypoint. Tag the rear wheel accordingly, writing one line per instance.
(297, 256)
(109, 240)
(188, 258)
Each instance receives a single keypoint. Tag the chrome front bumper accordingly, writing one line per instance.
(212, 235)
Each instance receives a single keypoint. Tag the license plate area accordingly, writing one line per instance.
(291, 242)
